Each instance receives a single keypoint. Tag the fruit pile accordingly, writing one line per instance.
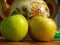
(15, 28)
(31, 18)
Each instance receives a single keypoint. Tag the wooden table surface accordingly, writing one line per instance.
(4, 42)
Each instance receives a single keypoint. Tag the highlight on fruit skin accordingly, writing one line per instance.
(42, 28)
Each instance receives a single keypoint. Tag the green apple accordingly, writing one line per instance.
(42, 28)
(14, 28)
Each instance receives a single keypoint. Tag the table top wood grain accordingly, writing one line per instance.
(5, 42)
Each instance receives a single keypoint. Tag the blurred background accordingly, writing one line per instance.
(57, 18)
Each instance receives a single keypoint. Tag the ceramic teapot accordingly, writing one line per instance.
(4, 11)
(26, 7)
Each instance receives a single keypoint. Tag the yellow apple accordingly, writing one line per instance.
(42, 28)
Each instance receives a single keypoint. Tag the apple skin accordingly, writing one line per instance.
(14, 28)
(42, 28)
